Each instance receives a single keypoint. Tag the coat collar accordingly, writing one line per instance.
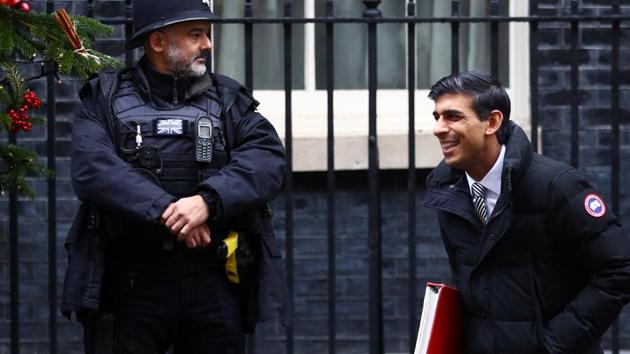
(186, 88)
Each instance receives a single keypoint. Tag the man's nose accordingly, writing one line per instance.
(206, 43)
(440, 127)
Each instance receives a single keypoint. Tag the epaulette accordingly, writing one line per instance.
(89, 86)
(232, 92)
(246, 100)
(105, 80)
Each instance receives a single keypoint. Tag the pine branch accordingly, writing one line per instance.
(16, 83)
(5, 97)
(36, 33)
(5, 121)
(15, 165)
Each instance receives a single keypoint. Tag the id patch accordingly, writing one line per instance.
(169, 127)
(594, 205)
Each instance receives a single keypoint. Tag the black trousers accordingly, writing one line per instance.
(197, 314)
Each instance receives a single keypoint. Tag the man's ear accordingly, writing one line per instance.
(157, 41)
(495, 119)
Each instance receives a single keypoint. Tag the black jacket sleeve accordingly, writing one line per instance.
(99, 175)
(256, 169)
(598, 244)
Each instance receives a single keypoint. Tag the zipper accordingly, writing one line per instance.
(175, 98)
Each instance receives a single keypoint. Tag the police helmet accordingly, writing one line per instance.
(149, 15)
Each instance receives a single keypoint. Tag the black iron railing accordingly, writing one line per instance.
(372, 19)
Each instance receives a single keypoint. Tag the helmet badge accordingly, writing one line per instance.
(207, 2)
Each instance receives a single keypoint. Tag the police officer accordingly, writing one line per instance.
(167, 159)
(542, 264)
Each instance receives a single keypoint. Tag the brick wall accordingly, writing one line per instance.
(594, 57)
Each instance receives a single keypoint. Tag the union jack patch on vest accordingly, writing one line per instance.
(169, 127)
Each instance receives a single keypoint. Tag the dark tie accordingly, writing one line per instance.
(479, 201)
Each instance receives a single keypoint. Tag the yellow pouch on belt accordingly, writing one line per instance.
(231, 241)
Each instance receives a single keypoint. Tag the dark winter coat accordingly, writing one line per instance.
(104, 182)
(544, 275)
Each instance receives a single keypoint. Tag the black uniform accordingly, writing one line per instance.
(121, 260)
(551, 270)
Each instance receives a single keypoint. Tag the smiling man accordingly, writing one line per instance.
(169, 159)
(541, 263)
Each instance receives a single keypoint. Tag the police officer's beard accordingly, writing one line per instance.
(184, 66)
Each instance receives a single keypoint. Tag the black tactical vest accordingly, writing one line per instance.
(160, 142)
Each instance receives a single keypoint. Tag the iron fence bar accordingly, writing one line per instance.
(89, 9)
(288, 90)
(374, 213)
(51, 101)
(494, 39)
(533, 73)
(575, 118)
(128, 32)
(248, 12)
(455, 37)
(615, 159)
(330, 174)
(250, 343)
(14, 271)
(481, 19)
(249, 82)
(210, 56)
(411, 175)
(249, 45)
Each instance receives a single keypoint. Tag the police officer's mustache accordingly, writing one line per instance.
(203, 55)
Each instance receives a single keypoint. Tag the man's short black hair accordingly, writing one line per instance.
(486, 91)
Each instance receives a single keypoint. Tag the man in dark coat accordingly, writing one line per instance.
(168, 160)
(542, 264)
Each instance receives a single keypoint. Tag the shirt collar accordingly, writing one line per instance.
(492, 179)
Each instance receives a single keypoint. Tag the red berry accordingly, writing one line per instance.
(23, 6)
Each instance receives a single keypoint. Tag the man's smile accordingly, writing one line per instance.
(448, 145)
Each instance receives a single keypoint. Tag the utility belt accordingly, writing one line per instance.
(145, 254)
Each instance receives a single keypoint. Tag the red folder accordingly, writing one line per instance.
(440, 324)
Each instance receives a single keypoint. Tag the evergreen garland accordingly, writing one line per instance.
(29, 36)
